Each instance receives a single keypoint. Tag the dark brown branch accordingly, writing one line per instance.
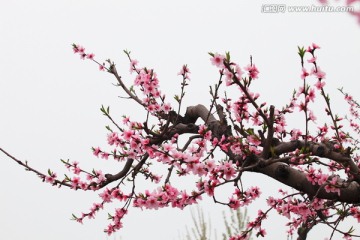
(200, 111)
(190, 139)
(220, 113)
(304, 229)
(170, 169)
(321, 150)
(118, 78)
(140, 164)
(217, 127)
(349, 192)
(110, 178)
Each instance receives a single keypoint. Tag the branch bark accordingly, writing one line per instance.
(349, 192)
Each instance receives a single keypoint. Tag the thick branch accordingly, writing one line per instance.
(110, 178)
(349, 192)
(304, 230)
(218, 128)
(323, 150)
(200, 111)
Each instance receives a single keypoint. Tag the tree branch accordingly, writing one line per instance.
(349, 192)
(321, 150)
(118, 78)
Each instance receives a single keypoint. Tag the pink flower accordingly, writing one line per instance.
(90, 56)
(254, 192)
(312, 116)
(78, 49)
(184, 70)
(311, 95)
(133, 64)
(102, 67)
(96, 151)
(210, 165)
(315, 46)
(152, 203)
(76, 170)
(228, 77)
(253, 71)
(75, 48)
(198, 169)
(110, 229)
(234, 203)
(166, 107)
(218, 60)
(312, 48)
(318, 73)
(331, 186)
(238, 71)
(120, 212)
(112, 138)
(228, 170)
(304, 74)
(128, 134)
(75, 182)
(104, 155)
(209, 187)
(253, 139)
(295, 134)
(51, 179)
(320, 84)
(151, 108)
(312, 60)
(356, 213)
(261, 232)
(126, 120)
(106, 195)
(271, 201)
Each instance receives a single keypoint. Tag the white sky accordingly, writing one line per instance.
(50, 99)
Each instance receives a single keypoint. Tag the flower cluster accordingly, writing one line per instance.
(135, 141)
(250, 135)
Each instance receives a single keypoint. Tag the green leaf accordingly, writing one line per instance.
(301, 52)
(67, 179)
(65, 162)
(351, 230)
(102, 109)
(227, 56)
(176, 97)
(250, 131)
(108, 128)
(211, 54)
(132, 89)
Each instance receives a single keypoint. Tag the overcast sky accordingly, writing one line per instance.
(50, 99)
